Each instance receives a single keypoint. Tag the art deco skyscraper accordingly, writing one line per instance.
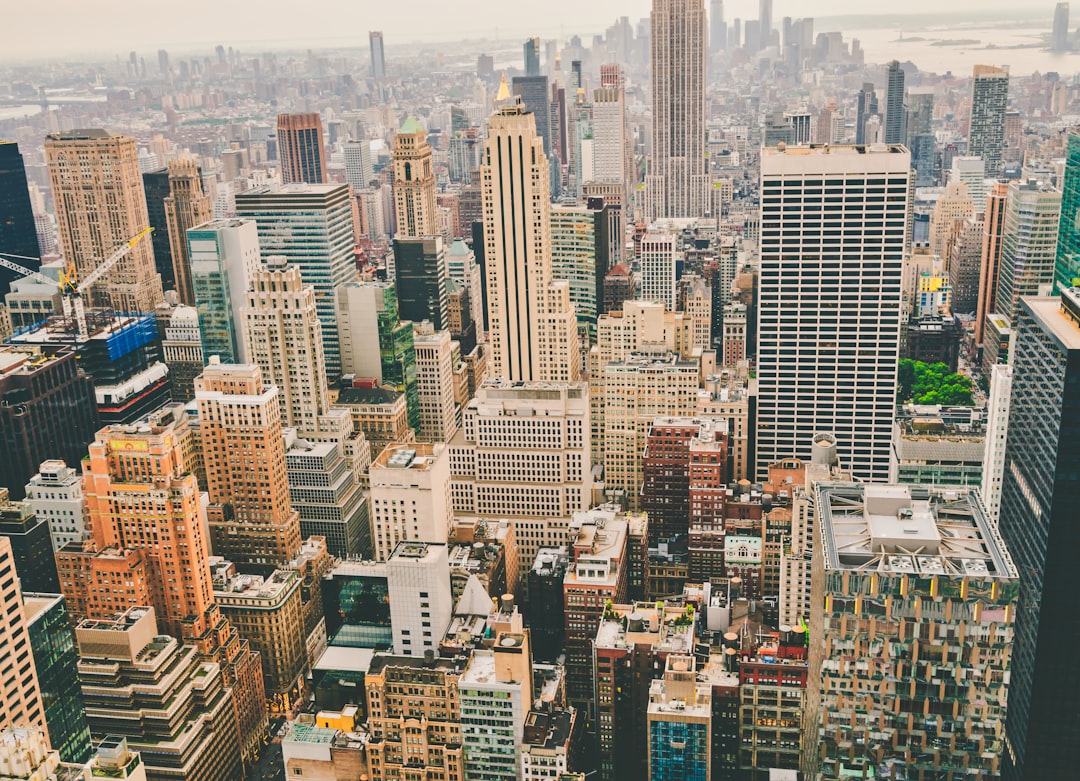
(817, 371)
(283, 335)
(532, 323)
(252, 521)
(301, 148)
(185, 208)
(1039, 497)
(414, 183)
(677, 180)
(98, 194)
(989, 97)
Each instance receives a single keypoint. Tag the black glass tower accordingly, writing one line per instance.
(31, 546)
(420, 278)
(156, 187)
(1040, 492)
(17, 233)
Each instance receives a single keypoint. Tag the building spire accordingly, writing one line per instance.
(504, 90)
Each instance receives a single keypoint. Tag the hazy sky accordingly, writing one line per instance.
(43, 28)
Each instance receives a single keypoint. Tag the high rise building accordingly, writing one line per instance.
(410, 496)
(330, 500)
(358, 170)
(1067, 265)
(18, 231)
(895, 116)
(21, 704)
(1029, 244)
(312, 226)
(580, 254)
(838, 379)
(765, 23)
(224, 260)
(181, 348)
(952, 208)
(717, 27)
(403, 688)
(532, 56)
(301, 148)
(378, 56)
(612, 153)
(418, 586)
(252, 522)
(1037, 495)
(414, 182)
(56, 495)
(496, 691)
(538, 433)
(535, 95)
(96, 219)
(185, 208)
(1059, 35)
(890, 549)
(680, 718)
(989, 97)
(677, 181)
(420, 280)
(997, 429)
(990, 259)
(920, 134)
(130, 674)
(53, 644)
(657, 258)
(531, 320)
(867, 107)
(49, 411)
(439, 379)
(283, 335)
(31, 545)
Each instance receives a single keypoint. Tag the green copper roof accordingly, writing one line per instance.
(410, 125)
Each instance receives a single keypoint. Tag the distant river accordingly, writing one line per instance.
(940, 49)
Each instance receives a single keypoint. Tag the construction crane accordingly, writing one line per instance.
(73, 289)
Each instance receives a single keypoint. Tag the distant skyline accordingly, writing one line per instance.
(75, 28)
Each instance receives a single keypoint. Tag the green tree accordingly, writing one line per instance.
(932, 383)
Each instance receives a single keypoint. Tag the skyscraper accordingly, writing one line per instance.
(1028, 244)
(358, 170)
(533, 91)
(990, 259)
(894, 105)
(765, 23)
(301, 148)
(989, 97)
(20, 696)
(420, 280)
(18, 234)
(657, 274)
(185, 208)
(867, 107)
(717, 27)
(283, 335)
(1067, 264)
(378, 56)
(677, 181)
(312, 226)
(418, 585)
(156, 190)
(252, 521)
(815, 371)
(224, 259)
(100, 205)
(31, 545)
(1037, 523)
(920, 134)
(414, 182)
(532, 56)
(531, 320)
(1059, 36)
(612, 156)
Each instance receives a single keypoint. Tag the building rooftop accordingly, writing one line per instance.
(357, 396)
(1060, 315)
(909, 529)
(233, 586)
(547, 729)
(35, 605)
(416, 456)
(345, 659)
(551, 562)
(307, 733)
(454, 665)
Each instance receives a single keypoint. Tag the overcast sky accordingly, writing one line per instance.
(44, 28)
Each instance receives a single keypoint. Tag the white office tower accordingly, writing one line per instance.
(358, 170)
(972, 172)
(611, 158)
(524, 453)
(657, 261)
(56, 495)
(496, 694)
(532, 324)
(440, 377)
(418, 587)
(677, 180)
(283, 335)
(829, 300)
(997, 429)
(410, 496)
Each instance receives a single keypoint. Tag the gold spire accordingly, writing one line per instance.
(504, 90)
